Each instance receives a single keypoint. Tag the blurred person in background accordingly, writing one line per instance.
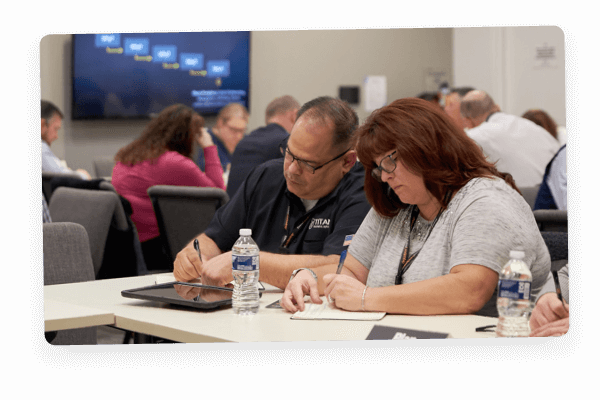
(161, 156)
(51, 124)
(262, 144)
(229, 129)
(516, 145)
(452, 105)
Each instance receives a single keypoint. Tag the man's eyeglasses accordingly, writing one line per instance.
(304, 165)
(388, 164)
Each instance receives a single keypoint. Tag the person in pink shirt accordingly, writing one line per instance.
(161, 156)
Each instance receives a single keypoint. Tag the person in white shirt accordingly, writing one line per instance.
(51, 123)
(517, 145)
(452, 104)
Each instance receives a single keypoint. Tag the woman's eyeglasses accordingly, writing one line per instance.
(388, 164)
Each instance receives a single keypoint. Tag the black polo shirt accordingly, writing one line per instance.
(262, 203)
(259, 146)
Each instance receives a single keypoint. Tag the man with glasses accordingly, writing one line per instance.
(300, 207)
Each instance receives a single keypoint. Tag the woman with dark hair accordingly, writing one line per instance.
(161, 156)
(542, 119)
(442, 223)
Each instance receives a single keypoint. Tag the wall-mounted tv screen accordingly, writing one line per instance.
(137, 75)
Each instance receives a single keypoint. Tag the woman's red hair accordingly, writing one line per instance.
(428, 143)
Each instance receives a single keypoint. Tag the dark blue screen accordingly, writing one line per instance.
(133, 75)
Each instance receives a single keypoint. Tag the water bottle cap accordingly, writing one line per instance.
(518, 254)
(245, 232)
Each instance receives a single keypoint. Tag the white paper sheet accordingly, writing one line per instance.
(375, 92)
(329, 311)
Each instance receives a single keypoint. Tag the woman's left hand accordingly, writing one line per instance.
(345, 291)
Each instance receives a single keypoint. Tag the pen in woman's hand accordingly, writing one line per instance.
(341, 264)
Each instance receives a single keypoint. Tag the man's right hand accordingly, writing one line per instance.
(187, 265)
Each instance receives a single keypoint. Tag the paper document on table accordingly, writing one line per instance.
(329, 311)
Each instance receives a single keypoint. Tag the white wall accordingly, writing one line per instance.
(507, 63)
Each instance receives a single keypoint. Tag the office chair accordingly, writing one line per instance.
(182, 212)
(558, 247)
(103, 167)
(97, 211)
(47, 181)
(551, 220)
(67, 259)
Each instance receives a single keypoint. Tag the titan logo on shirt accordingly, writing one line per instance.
(319, 223)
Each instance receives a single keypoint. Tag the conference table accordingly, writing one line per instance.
(97, 303)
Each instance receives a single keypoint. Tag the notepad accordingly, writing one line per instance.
(329, 311)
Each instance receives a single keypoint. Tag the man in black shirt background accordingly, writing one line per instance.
(262, 144)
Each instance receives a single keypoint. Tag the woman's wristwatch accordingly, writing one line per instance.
(295, 272)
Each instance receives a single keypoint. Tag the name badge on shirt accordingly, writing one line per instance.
(348, 239)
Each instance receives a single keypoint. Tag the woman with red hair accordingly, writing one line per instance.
(442, 224)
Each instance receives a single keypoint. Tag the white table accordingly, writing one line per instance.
(59, 315)
(103, 298)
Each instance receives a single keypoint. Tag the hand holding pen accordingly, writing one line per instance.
(558, 291)
(197, 247)
(550, 316)
(185, 267)
(339, 270)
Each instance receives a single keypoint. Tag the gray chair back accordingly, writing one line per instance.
(558, 247)
(183, 212)
(103, 167)
(47, 178)
(67, 259)
(95, 210)
(550, 220)
(530, 194)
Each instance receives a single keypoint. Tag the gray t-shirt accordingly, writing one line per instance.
(484, 221)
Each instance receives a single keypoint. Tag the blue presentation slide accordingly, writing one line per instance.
(122, 75)
(164, 54)
(137, 46)
(218, 69)
(108, 40)
(191, 61)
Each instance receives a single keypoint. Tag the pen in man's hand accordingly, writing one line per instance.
(197, 247)
(341, 264)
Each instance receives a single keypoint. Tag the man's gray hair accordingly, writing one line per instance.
(281, 105)
(476, 103)
(48, 110)
(335, 111)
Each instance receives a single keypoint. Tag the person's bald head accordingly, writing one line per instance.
(476, 106)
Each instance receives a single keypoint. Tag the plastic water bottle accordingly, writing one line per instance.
(245, 261)
(514, 297)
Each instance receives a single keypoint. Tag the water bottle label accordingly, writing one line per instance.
(513, 289)
(245, 263)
